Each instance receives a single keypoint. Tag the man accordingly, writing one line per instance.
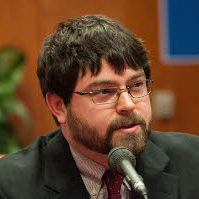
(95, 78)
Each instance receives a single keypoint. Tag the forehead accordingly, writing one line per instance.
(107, 74)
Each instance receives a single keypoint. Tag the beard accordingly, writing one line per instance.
(88, 136)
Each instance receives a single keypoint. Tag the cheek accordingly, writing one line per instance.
(99, 118)
(145, 109)
(95, 115)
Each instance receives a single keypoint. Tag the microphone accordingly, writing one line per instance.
(122, 160)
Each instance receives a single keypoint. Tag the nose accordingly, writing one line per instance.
(125, 104)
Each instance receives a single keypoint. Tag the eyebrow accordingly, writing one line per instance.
(108, 82)
(139, 74)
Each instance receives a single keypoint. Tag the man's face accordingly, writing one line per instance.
(101, 127)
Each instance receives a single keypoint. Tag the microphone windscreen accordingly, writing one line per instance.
(117, 155)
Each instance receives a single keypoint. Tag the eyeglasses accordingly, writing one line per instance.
(110, 95)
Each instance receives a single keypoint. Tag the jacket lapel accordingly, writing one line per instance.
(152, 166)
(61, 176)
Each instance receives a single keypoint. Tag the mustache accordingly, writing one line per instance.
(133, 118)
(130, 119)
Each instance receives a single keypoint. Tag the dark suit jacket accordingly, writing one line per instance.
(46, 169)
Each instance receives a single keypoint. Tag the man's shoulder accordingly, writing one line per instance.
(175, 144)
(25, 167)
(27, 155)
(173, 138)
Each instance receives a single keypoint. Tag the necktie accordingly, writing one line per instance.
(113, 182)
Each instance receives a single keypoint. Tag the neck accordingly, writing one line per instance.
(97, 157)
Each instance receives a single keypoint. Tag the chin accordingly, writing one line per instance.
(136, 142)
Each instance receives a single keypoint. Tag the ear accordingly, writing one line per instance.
(57, 107)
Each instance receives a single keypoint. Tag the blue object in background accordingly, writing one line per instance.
(179, 30)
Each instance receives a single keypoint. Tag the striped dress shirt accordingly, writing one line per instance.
(91, 173)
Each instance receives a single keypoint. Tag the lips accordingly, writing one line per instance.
(126, 126)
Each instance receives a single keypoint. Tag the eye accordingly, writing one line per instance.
(138, 84)
(105, 91)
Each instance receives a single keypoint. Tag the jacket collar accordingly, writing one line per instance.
(61, 176)
(152, 165)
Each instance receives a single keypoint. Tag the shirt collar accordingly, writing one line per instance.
(90, 171)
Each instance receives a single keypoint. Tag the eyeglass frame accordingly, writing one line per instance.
(118, 93)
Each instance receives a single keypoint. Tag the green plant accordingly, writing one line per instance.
(11, 62)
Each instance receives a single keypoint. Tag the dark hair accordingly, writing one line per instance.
(81, 43)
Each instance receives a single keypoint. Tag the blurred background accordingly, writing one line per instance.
(163, 27)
